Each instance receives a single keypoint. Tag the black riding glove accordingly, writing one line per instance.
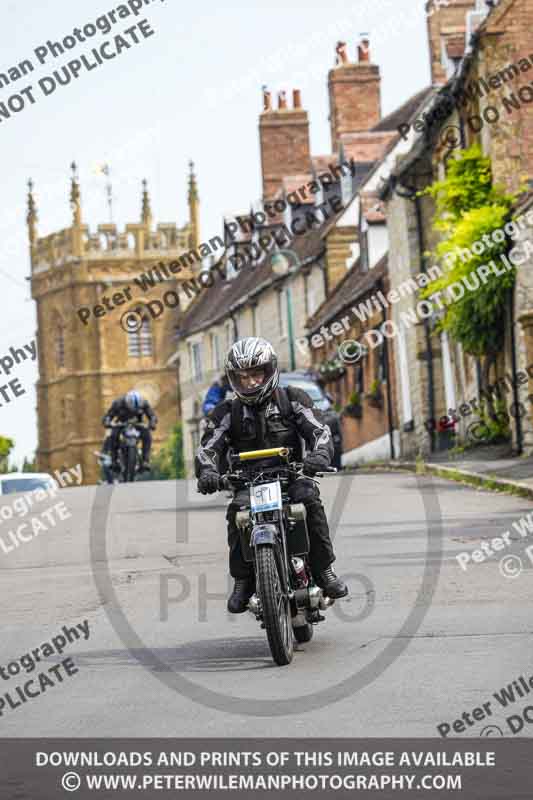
(315, 462)
(208, 482)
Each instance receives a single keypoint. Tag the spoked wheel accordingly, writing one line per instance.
(276, 607)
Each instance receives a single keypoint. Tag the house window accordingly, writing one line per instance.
(216, 357)
(360, 379)
(60, 345)
(380, 363)
(140, 342)
(196, 361)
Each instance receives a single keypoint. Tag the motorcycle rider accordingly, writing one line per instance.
(264, 415)
(216, 393)
(131, 407)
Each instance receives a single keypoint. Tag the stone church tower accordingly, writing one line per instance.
(85, 364)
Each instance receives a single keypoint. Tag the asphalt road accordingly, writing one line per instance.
(419, 642)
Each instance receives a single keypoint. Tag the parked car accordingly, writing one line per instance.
(323, 401)
(12, 482)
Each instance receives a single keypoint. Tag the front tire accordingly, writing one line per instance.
(275, 605)
(131, 464)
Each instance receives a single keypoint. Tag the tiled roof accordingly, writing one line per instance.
(353, 286)
(403, 113)
(214, 304)
(366, 146)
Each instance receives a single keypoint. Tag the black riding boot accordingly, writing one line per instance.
(242, 591)
(332, 585)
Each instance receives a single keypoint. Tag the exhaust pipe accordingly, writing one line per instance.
(313, 598)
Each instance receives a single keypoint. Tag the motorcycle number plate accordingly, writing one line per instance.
(266, 497)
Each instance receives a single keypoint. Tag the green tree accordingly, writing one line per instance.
(6, 446)
(468, 206)
(168, 463)
(29, 466)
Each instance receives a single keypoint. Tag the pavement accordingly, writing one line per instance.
(489, 466)
(495, 461)
(420, 642)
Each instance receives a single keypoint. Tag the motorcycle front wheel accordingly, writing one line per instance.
(276, 606)
(131, 464)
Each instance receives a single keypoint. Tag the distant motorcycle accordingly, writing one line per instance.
(128, 450)
(275, 538)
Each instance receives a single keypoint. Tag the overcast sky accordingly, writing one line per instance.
(192, 90)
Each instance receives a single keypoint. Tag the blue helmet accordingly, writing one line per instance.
(133, 400)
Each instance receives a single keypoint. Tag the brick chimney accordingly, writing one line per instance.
(284, 141)
(446, 26)
(354, 92)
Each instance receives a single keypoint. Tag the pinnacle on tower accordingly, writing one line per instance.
(75, 196)
(193, 189)
(146, 213)
(194, 202)
(31, 217)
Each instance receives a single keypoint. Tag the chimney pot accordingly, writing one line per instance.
(342, 55)
(267, 100)
(296, 98)
(282, 100)
(363, 48)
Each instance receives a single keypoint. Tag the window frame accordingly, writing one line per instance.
(141, 342)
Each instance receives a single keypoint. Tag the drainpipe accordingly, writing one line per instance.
(516, 399)
(389, 387)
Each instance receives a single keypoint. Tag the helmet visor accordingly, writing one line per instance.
(249, 382)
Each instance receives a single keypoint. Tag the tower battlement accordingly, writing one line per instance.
(135, 242)
(139, 240)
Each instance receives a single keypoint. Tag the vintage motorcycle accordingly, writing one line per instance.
(129, 456)
(275, 538)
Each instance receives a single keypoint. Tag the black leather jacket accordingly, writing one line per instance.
(263, 427)
(119, 411)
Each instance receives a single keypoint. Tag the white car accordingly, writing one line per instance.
(11, 482)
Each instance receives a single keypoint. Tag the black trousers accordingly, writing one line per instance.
(321, 553)
(146, 439)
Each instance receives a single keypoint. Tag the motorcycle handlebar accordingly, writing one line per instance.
(226, 480)
(125, 424)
